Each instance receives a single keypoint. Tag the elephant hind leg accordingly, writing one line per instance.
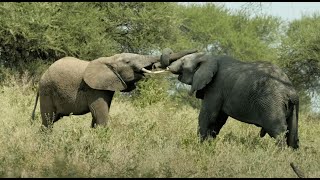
(48, 111)
(277, 131)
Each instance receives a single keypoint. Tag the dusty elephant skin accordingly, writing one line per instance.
(258, 93)
(71, 85)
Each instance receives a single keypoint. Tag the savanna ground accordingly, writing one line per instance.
(159, 140)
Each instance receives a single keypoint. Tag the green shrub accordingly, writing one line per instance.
(152, 89)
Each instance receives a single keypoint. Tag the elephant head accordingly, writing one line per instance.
(164, 60)
(195, 69)
(121, 71)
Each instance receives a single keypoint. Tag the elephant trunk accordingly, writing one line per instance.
(175, 67)
(166, 58)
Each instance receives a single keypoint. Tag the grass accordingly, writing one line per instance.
(159, 140)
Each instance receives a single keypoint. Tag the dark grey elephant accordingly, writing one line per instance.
(258, 93)
(71, 85)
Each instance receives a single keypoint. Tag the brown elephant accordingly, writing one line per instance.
(71, 85)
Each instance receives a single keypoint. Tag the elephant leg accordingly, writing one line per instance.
(57, 116)
(216, 125)
(210, 123)
(99, 109)
(99, 103)
(262, 132)
(48, 112)
(211, 118)
(277, 130)
(93, 122)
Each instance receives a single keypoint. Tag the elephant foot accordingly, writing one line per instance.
(209, 135)
(262, 132)
(45, 129)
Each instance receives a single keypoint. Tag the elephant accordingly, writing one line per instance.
(258, 93)
(71, 85)
(165, 60)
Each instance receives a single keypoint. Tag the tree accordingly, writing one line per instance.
(49, 31)
(139, 27)
(300, 53)
(215, 29)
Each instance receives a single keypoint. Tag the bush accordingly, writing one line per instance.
(152, 89)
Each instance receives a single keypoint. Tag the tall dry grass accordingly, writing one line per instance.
(159, 140)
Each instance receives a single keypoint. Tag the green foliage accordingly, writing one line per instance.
(254, 38)
(139, 27)
(213, 28)
(300, 53)
(48, 31)
(151, 90)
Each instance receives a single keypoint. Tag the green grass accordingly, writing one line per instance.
(159, 140)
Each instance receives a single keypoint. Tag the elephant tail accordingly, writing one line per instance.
(35, 105)
(292, 121)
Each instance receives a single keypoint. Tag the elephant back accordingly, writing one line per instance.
(64, 75)
(67, 70)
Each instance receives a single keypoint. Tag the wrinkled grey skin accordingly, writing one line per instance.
(165, 57)
(258, 93)
(71, 85)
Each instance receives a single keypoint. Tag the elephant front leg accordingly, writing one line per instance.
(99, 110)
(216, 123)
(204, 129)
(210, 123)
(203, 126)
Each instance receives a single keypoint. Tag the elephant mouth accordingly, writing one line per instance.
(138, 76)
(130, 86)
(185, 80)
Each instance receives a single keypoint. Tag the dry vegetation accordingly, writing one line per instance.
(157, 141)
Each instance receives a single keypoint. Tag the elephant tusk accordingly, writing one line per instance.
(146, 70)
(162, 71)
(152, 72)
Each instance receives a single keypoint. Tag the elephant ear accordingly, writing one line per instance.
(102, 76)
(207, 68)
